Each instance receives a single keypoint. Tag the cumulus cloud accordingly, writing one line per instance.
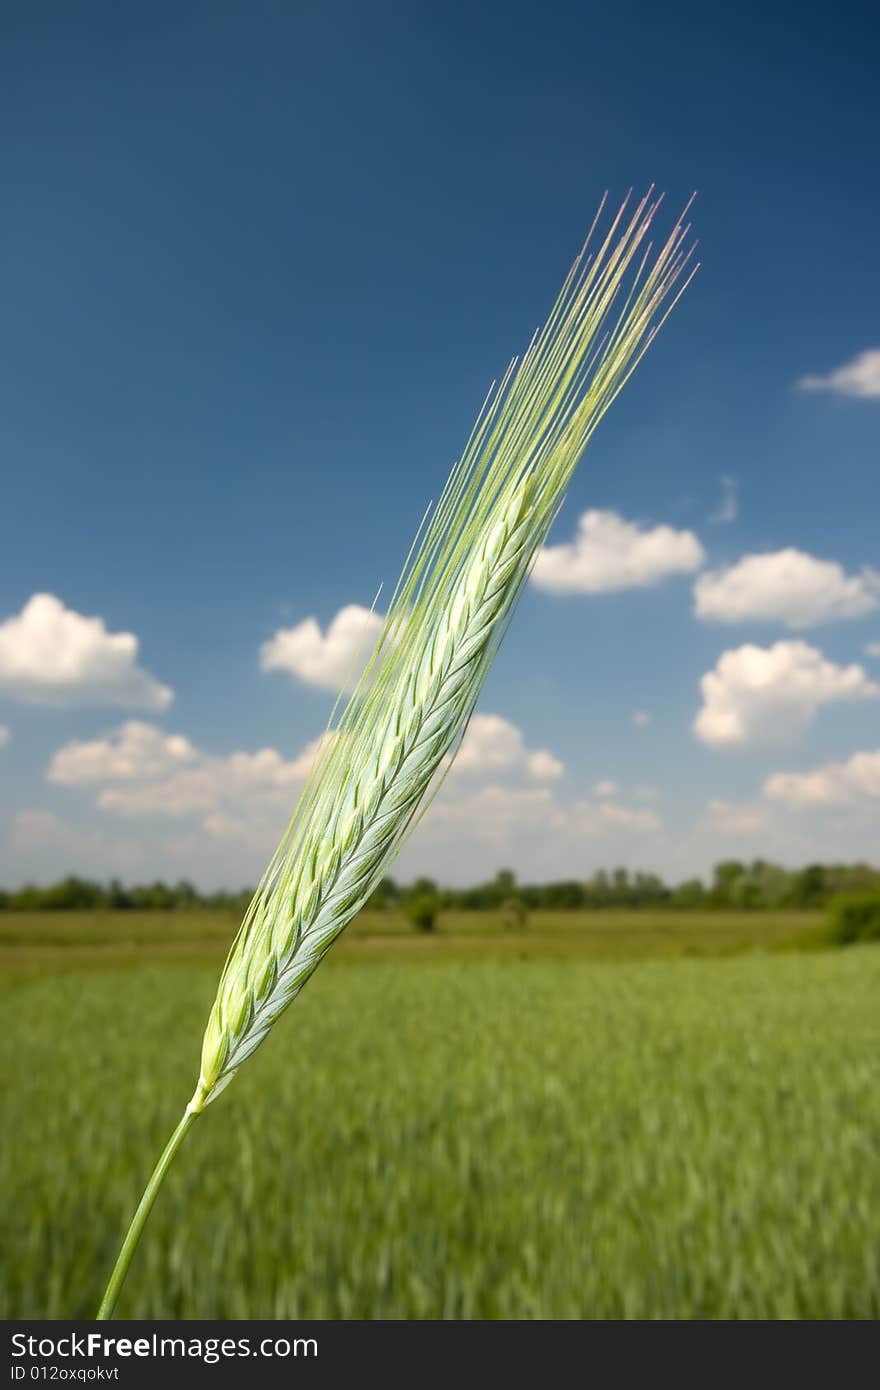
(610, 553)
(498, 815)
(492, 813)
(543, 765)
(37, 837)
(4, 735)
(647, 793)
(468, 833)
(605, 789)
(596, 819)
(333, 659)
(860, 377)
(735, 818)
(493, 745)
(872, 649)
(264, 782)
(239, 802)
(835, 784)
(787, 586)
(134, 751)
(141, 772)
(762, 828)
(771, 694)
(218, 817)
(728, 509)
(51, 655)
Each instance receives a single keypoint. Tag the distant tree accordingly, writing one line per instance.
(810, 888)
(505, 883)
(424, 885)
(597, 892)
(514, 913)
(648, 889)
(422, 910)
(724, 876)
(184, 894)
(27, 899)
(620, 889)
(568, 893)
(118, 898)
(745, 892)
(690, 894)
(383, 895)
(72, 894)
(774, 884)
(153, 897)
(853, 917)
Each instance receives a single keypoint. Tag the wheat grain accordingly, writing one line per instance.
(375, 769)
(422, 686)
(363, 810)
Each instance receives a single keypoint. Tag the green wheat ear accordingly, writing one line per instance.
(449, 612)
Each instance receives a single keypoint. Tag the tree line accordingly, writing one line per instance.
(732, 884)
(82, 895)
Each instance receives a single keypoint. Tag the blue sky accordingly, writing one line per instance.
(260, 264)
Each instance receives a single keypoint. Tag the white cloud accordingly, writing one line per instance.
(769, 694)
(609, 553)
(493, 813)
(605, 789)
(333, 659)
(596, 819)
(641, 718)
(51, 655)
(543, 765)
(231, 829)
(467, 835)
(135, 750)
(5, 735)
(263, 783)
(231, 809)
(217, 818)
(647, 793)
(835, 784)
(728, 509)
(40, 838)
(498, 815)
(768, 829)
(787, 586)
(860, 377)
(141, 772)
(872, 649)
(732, 818)
(493, 745)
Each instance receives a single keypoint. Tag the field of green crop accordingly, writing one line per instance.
(56, 939)
(449, 1135)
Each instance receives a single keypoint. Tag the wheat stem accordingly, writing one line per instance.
(139, 1220)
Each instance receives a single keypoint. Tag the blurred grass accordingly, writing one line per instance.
(442, 1137)
(66, 938)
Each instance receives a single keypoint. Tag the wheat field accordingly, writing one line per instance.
(450, 1135)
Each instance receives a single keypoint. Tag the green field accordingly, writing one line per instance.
(606, 1115)
(63, 938)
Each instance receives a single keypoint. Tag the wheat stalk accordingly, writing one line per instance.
(378, 762)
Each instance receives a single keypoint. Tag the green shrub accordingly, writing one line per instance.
(853, 917)
(514, 912)
(422, 910)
